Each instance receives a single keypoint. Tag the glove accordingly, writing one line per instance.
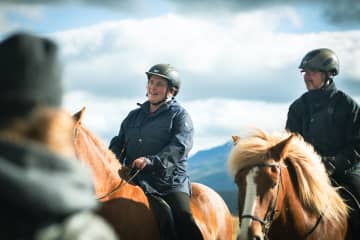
(126, 173)
(329, 163)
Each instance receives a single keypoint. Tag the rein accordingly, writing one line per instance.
(120, 185)
(315, 226)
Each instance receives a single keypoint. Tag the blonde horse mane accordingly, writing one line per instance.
(315, 191)
(47, 126)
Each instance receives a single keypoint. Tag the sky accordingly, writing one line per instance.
(237, 59)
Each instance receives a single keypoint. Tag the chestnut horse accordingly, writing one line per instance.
(284, 191)
(125, 205)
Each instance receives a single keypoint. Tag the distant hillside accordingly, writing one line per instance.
(209, 167)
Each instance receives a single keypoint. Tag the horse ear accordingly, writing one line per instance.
(78, 116)
(280, 150)
(235, 139)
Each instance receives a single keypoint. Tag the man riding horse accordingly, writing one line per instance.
(329, 119)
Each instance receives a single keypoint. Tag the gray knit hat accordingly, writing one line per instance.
(30, 72)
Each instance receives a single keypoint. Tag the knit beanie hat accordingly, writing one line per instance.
(30, 73)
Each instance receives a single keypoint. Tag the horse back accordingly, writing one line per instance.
(211, 213)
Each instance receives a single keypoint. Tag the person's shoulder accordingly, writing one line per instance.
(134, 111)
(346, 99)
(177, 108)
(298, 103)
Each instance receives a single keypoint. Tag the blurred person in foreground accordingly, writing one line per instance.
(45, 193)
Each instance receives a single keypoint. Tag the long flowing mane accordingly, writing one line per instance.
(315, 191)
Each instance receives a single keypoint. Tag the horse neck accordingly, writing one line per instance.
(103, 164)
(292, 213)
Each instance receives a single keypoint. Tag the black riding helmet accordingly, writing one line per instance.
(167, 72)
(322, 59)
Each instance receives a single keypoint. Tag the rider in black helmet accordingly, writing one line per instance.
(329, 119)
(157, 138)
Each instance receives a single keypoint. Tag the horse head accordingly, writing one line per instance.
(282, 186)
(259, 185)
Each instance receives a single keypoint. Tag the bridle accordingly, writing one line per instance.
(269, 217)
(270, 214)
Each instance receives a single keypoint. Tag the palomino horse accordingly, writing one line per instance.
(126, 207)
(284, 190)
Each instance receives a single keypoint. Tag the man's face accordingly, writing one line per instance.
(156, 89)
(313, 79)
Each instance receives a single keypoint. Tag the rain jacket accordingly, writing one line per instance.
(329, 120)
(164, 138)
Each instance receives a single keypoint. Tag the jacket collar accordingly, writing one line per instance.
(322, 94)
(165, 106)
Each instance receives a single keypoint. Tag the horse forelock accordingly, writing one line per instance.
(249, 151)
(315, 191)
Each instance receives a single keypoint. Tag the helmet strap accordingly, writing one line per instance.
(328, 79)
(159, 102)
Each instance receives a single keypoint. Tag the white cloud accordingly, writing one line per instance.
(216, 120)
(227, 53)
(243, 53)
(241, 50)
(29, 12)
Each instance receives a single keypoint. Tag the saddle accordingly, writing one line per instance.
(158, 205)
(164, 217)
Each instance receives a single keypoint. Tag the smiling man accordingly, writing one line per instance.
(329, 119)
(157, 138)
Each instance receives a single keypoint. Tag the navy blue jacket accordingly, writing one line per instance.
(165, 138)
(329, 120)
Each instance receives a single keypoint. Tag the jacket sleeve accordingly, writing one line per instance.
(179, 146)
(350, 155)
(117, 144)
(294, 118)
